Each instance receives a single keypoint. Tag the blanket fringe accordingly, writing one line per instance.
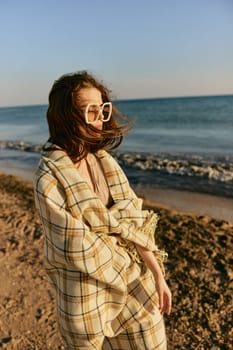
(149, 227)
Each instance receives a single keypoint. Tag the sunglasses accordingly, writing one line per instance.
(95, 112)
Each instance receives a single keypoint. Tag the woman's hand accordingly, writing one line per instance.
(164, 293)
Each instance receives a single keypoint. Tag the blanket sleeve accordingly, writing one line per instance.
(138, 227)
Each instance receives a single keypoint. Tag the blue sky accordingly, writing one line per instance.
(147, 48)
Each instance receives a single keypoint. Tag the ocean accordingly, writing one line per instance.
(179, 143)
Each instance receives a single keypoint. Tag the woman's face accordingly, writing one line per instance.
(87, 96)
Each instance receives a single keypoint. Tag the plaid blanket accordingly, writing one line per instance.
(89, 250)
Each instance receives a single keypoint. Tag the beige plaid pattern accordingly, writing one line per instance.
(100, 289)
(149, 334)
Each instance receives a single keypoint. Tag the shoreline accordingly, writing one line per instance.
(184, 202)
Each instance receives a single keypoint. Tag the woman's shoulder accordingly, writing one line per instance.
(43, 176)
(52, 157)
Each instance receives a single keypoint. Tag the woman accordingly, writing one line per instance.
(100, 253)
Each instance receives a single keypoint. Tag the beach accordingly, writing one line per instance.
(198, 269)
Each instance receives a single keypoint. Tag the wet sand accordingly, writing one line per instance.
(190, 202)
(199, 271)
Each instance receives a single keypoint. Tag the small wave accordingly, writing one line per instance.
(21, 146)
(191, 165)
(218, 169)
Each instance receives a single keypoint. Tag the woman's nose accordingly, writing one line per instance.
(99, 124)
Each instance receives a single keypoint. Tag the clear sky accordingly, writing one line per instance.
(139, 48)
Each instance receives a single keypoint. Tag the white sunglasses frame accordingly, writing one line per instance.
(100, 112)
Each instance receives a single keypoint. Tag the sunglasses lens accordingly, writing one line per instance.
(106, 112)
(92, 113)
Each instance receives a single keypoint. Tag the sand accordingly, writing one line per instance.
(199, 272)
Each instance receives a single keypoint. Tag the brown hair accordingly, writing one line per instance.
(66, 122)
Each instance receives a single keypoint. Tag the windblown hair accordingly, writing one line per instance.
(67, 126)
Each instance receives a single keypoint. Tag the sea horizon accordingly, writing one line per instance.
(129, 99)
